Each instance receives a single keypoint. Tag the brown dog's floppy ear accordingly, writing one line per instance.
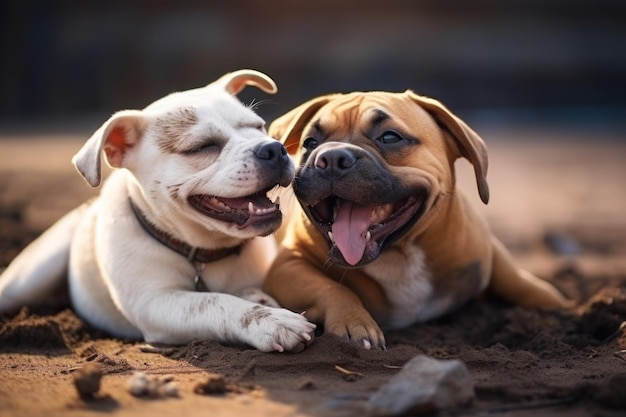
(470, 144)
(236, 81)
(115, 137)
(288, 127)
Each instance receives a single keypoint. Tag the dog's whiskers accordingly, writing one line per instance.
(254, 104)
(343, 276)
(327, 264)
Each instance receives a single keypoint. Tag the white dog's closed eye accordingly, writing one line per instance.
(182, 212)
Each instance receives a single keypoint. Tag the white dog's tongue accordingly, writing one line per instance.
(349, 229)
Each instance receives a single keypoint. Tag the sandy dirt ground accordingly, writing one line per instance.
(558, 202)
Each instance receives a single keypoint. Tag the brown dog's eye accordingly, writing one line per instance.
(309, 144)
(389, 138)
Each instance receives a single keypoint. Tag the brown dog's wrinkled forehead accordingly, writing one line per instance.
(358, 110)
(346, 111)
(350, 111)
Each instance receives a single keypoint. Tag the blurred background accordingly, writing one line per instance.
(69, 64)
(542, 81)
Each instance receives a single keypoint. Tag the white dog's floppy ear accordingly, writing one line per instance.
(288, 127)
(115, 137)
(236, 81)
(470, 144)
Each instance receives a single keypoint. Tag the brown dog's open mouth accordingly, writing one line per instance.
(359, 232)
(242, 211)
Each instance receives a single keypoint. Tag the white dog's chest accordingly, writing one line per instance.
(407, 283)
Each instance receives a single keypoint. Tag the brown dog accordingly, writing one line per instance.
(384, 238)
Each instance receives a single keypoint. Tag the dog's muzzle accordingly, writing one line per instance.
(274, 168)
(356, 203)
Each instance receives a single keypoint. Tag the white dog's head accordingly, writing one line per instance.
(201, 159)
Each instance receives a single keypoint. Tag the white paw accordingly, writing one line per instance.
(276, 329)
(255, 295)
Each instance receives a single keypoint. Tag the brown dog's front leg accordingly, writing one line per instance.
(346, 317)
(299, 286)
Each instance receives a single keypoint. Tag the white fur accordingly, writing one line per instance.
(124, 281)
(407, 282)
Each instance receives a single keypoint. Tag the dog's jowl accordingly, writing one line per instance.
(384, 239)
(172, 249)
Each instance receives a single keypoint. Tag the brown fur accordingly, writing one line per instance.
(460, 255)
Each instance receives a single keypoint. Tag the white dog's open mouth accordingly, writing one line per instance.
(242, 211)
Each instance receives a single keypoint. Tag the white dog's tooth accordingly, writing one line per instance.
(250, 207)
(368, 236)
(330, 236)
(214, 201)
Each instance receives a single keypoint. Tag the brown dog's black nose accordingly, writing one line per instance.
(272, 153)
(335, 161)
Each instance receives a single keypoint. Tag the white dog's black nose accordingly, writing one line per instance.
(335, 162)
(272, 153)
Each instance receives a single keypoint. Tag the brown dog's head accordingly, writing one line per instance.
(372, 167)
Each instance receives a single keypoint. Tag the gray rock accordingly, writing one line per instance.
(562, 244)
(424, 385)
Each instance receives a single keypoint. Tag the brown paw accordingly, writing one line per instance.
(356, 326)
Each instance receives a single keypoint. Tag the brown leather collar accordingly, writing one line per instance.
(193, 254)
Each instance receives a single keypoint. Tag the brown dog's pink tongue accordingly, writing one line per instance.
(349, 228)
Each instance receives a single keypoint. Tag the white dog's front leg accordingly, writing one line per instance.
(180, 316)
(257, 296)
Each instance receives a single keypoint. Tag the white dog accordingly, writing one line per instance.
(174, 236)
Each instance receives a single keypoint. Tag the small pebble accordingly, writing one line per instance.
(87, 380)
(169, 389)
(562, 244)
(215, 384)
(142, 385)
(138, 384)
